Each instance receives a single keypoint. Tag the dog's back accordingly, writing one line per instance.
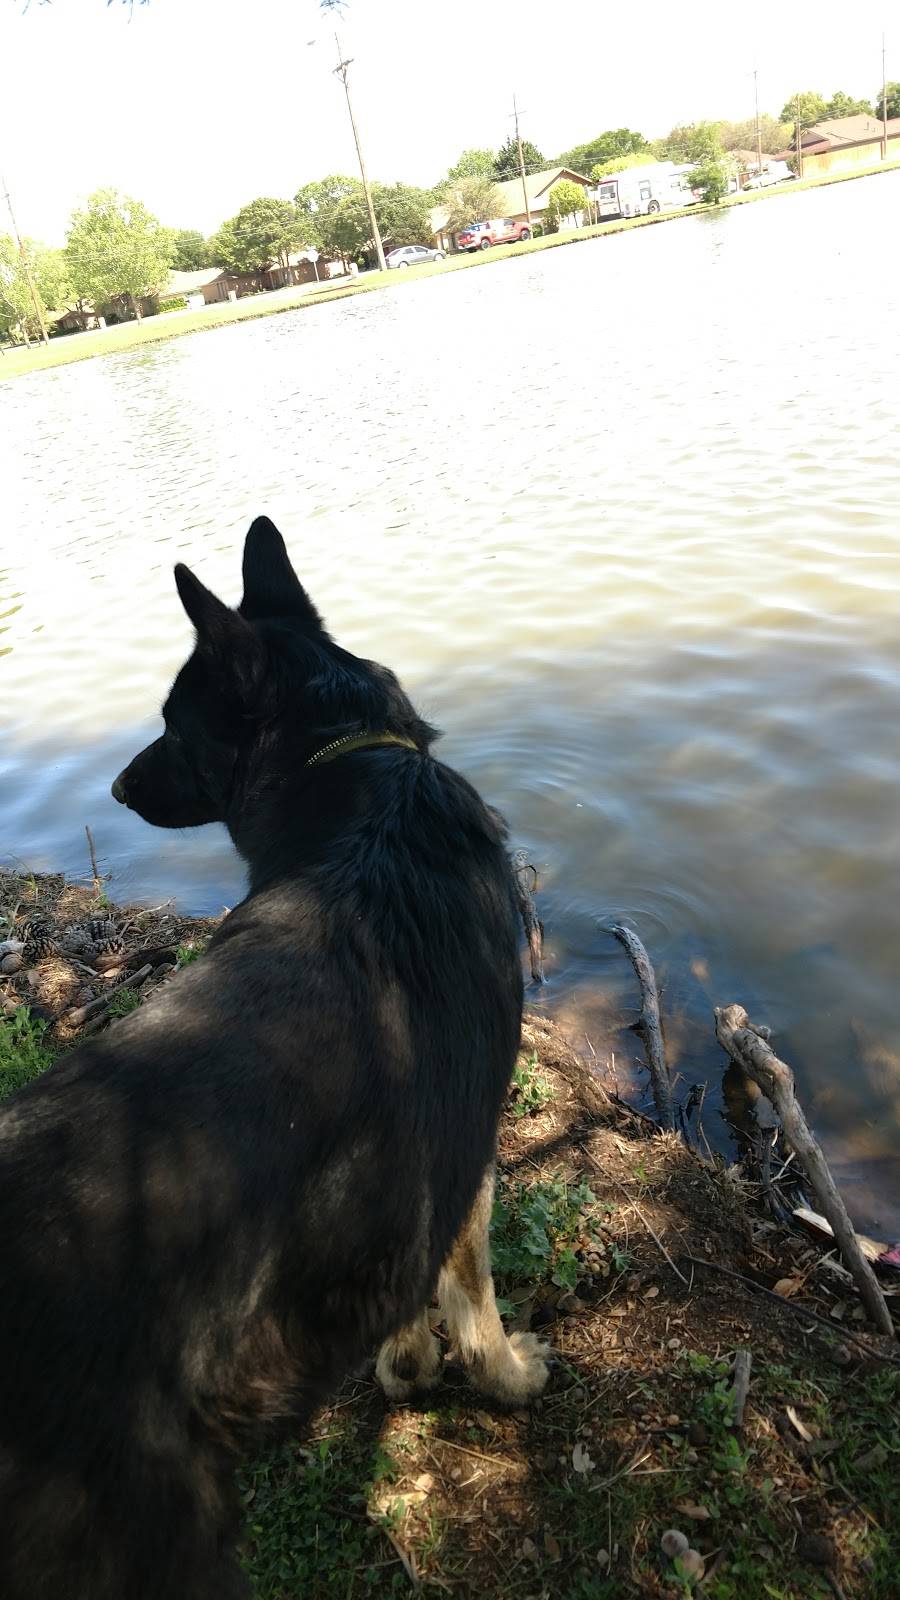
(211, 1213)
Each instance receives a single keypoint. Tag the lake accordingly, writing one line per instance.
(625, 519)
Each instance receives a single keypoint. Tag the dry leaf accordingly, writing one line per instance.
(695, 1512)
(787, 1287)
(652, 1292)
(424, 1483)
(581, 1461)
(529, 1549)
(801, 1427)
(551, 1546)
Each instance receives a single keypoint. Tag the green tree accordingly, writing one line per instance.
(191, 251)
(695, 141)
(18, 319)
(402, 214)
(473, 199)
(565, 200)
(506, 161)
(53, 278)
(844, 105)
(115, 247)
(606, 147)
(318, 202)
(774, 135)
(710, 180)
(605, 169)
(263, 234)
(471, 164)
(811, 107)
(893, 101)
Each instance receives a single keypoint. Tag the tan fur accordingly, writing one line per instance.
(511, 1370)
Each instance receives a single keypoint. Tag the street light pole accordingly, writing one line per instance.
(341, 72)
(522, 166)
(758, 129)
(38, 311)
(884, 115)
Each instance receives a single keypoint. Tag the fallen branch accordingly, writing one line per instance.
(531, 922)
(839, 1332)
(743, 1361)
(755, 1057)
(649, 1025)
(94, 1007)
(98, 882)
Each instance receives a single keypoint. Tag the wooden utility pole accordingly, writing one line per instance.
(35, 298)
(797, 132)
(884, 115)
(341, 71)
(522, 166)
(758, 128)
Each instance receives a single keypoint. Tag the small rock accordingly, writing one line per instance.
(816, 1548)
(691, 1565)
(11, 963)
(673, 1421)
(603, 1559)
(673, 1543)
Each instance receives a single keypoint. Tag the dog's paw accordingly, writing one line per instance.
(523, 1373)
(406, 1370)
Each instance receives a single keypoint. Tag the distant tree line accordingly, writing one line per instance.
(117, 254)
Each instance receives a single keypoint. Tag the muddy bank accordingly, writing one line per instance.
(620, 1245)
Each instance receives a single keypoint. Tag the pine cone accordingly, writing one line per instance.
(96, 936)
(39, 938)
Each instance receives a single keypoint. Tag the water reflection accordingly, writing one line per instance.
(623, 517)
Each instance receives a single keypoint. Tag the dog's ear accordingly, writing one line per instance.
(222, 635)
(271, 586)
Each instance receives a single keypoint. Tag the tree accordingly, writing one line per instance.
(402, 214)
(607, 146)
(506, 161)
(774, 135)
(811, 107)
(472, 164)
(844, 105)
(117, 248)
(317, 203)
(191, 251)
(18, 319)
(565, 200)
(695, 141)
(264, 233)
(710, 180)
(605, 169)
(472, 199)
(893, 101)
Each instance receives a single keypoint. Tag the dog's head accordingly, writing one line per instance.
(264, 678)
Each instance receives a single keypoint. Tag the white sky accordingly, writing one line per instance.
(197, 106)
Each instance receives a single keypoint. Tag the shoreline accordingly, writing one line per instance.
(18, 361)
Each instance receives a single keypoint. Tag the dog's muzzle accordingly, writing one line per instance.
(118, 791)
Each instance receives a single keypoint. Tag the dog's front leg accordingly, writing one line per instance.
(410, 1362)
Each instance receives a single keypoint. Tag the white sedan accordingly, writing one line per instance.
(412, 255)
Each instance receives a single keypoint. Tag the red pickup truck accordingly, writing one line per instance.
(481, 235)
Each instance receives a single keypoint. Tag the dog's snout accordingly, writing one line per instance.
(118, 790)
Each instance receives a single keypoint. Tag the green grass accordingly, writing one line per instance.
(536, 1230)
(16, 361)
(23, 1054)
(186, 953)
(123, 1001)
(531, 1091)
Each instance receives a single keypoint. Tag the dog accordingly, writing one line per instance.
(213, 1212)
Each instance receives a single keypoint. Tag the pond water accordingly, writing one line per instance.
(624, 517)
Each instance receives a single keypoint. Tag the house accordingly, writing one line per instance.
(197, 288)
(512, 202)
(845, 144)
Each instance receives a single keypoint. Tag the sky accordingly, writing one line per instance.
(198, 106)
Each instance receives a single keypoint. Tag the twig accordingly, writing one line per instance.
(649, 1025)
(798, 1310)
(531, 922)
(754, 1055)
(743, 1361)
(647, 1224)
(95, 1007)
(406, 1557)
(633, 1464)
(94, 868)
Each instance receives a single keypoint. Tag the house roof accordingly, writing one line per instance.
(858, 129)
(537, 186)
(189, 282)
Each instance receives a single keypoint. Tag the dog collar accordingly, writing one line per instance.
(358, 741)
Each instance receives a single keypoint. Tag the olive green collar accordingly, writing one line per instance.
(358, 741)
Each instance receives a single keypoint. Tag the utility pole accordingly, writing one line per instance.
(38, 310)
(341, 72)
(884, 115)
(798, 137)
(758, 129)
(522, 166)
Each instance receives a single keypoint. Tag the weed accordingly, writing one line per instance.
(186, 953)
(123, 1001)
(23, 1054)
(536, 1229)
(530, 1089)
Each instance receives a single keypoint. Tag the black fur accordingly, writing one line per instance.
(211, 1213)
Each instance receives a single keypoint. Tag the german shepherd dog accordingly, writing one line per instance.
(214, 1211)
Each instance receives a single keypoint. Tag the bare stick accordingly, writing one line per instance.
(95, 1007)
(743, 1360)
(798, 1310)
(531, 922)
(649, 1026)
(755, 1056)
(94, 868)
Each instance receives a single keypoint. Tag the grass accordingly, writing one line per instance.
(16, 361)
(123, 1001)
(531, 1091)
(23, 1054)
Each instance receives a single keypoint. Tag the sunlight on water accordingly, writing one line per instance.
(624, 518)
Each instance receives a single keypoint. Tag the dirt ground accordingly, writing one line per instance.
(616, 1243)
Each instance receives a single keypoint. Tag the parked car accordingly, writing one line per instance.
(412, 255)
(772, 172)
(481, 235)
